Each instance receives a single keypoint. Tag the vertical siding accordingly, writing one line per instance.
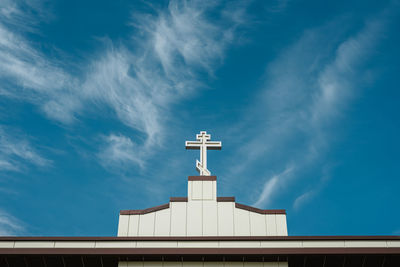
(162, 224)
(178, 218)
(271, 224)
(242, 222)
(208, 190)
(123, 225)
(253, 264)
(135, 264)
(197, 190)
(210, 218)
(191, 264)
(146, 224)
(226, 218)
(133, 228)
(194, 218)
(213, 264)
(257, 224)
(281, 227)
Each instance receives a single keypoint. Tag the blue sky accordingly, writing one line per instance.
(98, 97)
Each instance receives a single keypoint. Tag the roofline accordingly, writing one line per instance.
(185, 199)
(194, 251)
(196, 238)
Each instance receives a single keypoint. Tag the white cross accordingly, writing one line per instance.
(203, 143)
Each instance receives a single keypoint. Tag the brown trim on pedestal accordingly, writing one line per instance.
(178, 199)
(225, 199)
(198, 238)
(195, 251)
(249, 208)
(202, 178)
(139, 212)
(185, 199)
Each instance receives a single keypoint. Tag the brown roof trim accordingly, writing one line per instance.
(195, 238)
(178, 199)
(249, 208)
(138, 212)
(202, 178)
(195, 251)
(225, 199)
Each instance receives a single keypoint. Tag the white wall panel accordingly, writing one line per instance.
(360, 244)
(194, 218)
(163, 220)
(210, 218)
(257, 224)
(329, 244)
(178, 218)
(234, 264)
(135, 263)
(146, 224)
(281, 228)
(153, 264)
(271, 224)
(34, 244)
(213, 264)
(253, 264)
(123, 225)
(197, 190)
(173, 264)
(281, 244)
(241, 222)
(208, 190)
(115, 244)
(196, 244)
(283, 264)
(225, 218)
(190, 264)
(74, 244)
(393, 243)
(6, 244)
(239, 244)
(133, 228)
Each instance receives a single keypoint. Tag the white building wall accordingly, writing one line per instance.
(202, 215)
(203, 218)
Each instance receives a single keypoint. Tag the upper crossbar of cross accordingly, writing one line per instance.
(203, 143)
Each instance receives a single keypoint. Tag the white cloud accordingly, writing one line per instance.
(271, 186)
(9, 225)
(16, 151)
(120, 151)
(308, 89)
(139, 80)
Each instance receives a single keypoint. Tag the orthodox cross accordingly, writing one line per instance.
(203, 143)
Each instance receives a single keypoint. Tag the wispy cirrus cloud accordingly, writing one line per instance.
(142, 79)
(9, 225)
(16, 152)
(308, 89)
(119, 152)
(139, 79)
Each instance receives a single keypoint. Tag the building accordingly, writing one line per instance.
(201, 229)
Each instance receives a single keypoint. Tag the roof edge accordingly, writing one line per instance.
(196, 238)
(185, 199)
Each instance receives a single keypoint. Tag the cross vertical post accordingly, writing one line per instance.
(203, 143)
